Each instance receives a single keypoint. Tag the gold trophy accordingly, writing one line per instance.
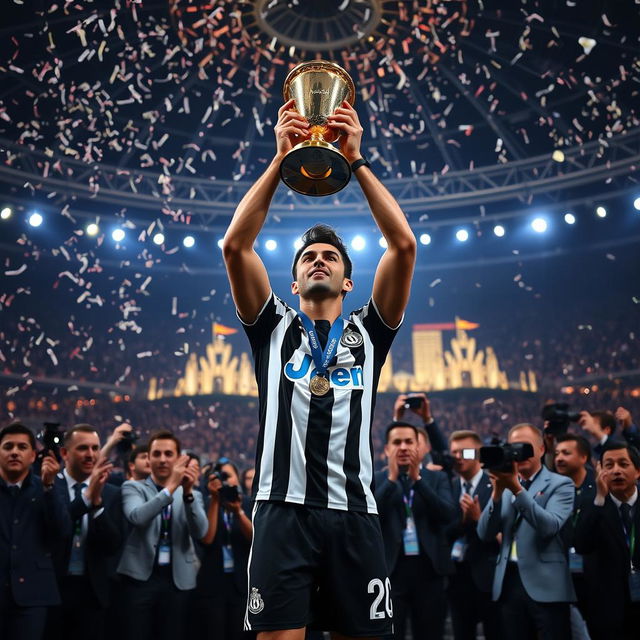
(315, 167)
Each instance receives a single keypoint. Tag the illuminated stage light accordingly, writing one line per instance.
(358, 243)
(601, 212)
(220, 243)
(297, 244)
(425, 239)
(158, 238)
(462, 235)
(189, 241)
(118, 235)
(92, 229)
(636, 204)
(271, 245)
(6, 213)
(569, 218)
(558, 156)
(539, 225)
(499, 230)
(383, 242)
(35, 219)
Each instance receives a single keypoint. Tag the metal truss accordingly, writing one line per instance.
(598, 161)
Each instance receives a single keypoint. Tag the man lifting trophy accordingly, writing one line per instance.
(315, 167)
(317, 556)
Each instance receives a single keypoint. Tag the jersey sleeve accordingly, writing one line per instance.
(380, 333)
(260, 330)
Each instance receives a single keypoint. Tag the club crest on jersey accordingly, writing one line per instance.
(339, 377)
(256, 603)
(351, 339)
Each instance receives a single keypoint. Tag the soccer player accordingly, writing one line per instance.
(317, 553)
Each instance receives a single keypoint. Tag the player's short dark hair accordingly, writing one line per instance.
(139, 450)
(582, 444)
(607, 420)
(616, 445)
(16, 428)
(164, 434)
(325, 234)
(77, 428)
(399, 424)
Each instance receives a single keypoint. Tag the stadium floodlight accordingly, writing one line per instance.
(383, 242)
(636, 204)
(569, 218)
(158, 238)
(118, 235)
(358, 243)
(92, 229)
(297, 244)
(601, 212)
(499, 230)
(189, 241)
(539, 225)
(220, 243)
(35, 219)
(6, 213)
(462, 235)
(425, 239)
(270, 244)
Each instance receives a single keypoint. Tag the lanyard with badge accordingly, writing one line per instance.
(319, 385)
(227, 549)
(164, 548)
(410, 535)
(576, 562)
(460, 546)
(76, 561)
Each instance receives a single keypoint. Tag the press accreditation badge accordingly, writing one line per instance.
(410, 538)
(459, 550)
(576, 563)
(227, 558)
(634, 586)
(164, 555)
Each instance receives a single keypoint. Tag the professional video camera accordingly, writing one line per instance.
(500, 456)
(558, 417)
(125, 446)
(51, 437)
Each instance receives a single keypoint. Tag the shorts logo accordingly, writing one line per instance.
(256, 603)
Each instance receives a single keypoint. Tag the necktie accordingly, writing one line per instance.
(78, 488)
(625, 514)
(468, 488)
(14, 490)
(525, 484)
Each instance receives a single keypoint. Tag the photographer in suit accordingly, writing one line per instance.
(529, 506)
(86, 560)
(469, 590)
(33, 521)
(159, 564)
(608, 533)
(220, 598)
(415, 505)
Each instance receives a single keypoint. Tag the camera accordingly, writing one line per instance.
(413, 402)
(500, 457)
(125, 446)
(448, 462)
(558, 417)
(227, 492)
(51, 438)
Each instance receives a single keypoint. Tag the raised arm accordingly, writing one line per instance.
(247, 274)
(392, 283)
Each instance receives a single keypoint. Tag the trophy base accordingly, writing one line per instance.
(315, 168)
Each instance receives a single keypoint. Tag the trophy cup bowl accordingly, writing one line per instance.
(315, 167)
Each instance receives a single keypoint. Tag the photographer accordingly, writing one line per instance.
(220, 598)
(469, 591)
(415, 506)
(419, 403)
(529, 506)
(34, 521)
(118, 447)
(608, 534)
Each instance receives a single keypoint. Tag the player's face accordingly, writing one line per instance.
(320, 272)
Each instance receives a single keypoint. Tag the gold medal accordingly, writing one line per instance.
(319, 386)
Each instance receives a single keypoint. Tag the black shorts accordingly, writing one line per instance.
(321, 568)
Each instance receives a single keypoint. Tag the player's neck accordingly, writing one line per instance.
(322, 309)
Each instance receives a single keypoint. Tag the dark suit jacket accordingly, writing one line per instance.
(433, 510)
(104, 538)
(30, 531)
(600, 536)
(481, 556)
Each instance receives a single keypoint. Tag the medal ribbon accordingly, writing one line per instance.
(322, 358)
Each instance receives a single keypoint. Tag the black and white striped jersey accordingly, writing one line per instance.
(316, 450)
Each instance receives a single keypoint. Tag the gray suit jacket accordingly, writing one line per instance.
(142, 504)
(542, 554)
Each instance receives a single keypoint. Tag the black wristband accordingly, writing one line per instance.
(360, 162)
(189, 498)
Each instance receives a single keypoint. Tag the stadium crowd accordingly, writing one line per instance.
(149, 536)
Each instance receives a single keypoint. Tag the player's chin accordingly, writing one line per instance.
(317, 289)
